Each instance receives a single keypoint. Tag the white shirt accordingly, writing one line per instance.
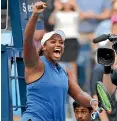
(67, 22)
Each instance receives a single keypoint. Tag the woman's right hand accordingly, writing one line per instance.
(39, 7)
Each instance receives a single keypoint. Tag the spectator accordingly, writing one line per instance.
(114, 7)
(91, 14)
(110, 82)
(105, 26)
(83, 113)
(47, 13)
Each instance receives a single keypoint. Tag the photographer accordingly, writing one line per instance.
(110, 82)
(97, 74)
(110, 77)
(108, 74)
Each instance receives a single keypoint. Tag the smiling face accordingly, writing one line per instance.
(82, 114)
(54, 48)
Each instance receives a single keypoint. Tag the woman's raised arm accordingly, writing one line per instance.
(30, 54)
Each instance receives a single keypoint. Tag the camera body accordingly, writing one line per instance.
(106, 56)
(113, 39)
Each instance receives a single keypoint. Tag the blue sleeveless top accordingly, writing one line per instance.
(46, 97)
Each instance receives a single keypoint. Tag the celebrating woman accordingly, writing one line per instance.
(47, 82)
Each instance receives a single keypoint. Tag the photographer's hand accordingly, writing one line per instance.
(107, 69)
(114, 66)
(107, 81)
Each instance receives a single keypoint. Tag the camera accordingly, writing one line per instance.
(105, 56)
(113, 39)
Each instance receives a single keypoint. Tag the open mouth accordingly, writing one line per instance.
(57, 52)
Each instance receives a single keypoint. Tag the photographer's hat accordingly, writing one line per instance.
(49, 35)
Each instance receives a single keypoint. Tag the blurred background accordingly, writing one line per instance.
(81, 20)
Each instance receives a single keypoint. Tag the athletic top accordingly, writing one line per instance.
(46, 97)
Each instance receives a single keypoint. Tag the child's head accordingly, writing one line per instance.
(81, 113)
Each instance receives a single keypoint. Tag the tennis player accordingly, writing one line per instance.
(47, 82)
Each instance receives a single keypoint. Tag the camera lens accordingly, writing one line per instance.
(106, 56)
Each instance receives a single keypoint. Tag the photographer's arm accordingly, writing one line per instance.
(107, 78)
(104, 15)
(108, 83)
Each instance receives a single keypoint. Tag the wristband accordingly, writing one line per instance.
(107, 69)
(92, 100)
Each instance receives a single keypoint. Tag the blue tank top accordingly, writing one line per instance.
(46, 97)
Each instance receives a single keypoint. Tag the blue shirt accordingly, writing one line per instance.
(103, 28)
(46, 97)
(96, 6)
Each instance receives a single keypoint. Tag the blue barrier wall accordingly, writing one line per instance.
(16, 23)
(22, 83)
(6, 104)
(20, 11)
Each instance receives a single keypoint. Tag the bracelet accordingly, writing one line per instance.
(92, 100)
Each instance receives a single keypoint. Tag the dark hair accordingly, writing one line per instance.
(77, 105)
(40, 52)
(73, 8)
